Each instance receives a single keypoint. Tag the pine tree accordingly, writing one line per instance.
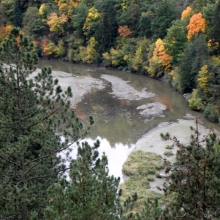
(193, 58)
(193, 180)
(34, 113)
(17, 15)
(215, 29)
(91, 192)
(107, 28)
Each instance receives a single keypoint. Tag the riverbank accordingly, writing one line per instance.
(144, 167)
(152, 141)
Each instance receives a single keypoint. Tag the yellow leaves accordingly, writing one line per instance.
(87, 54)
(92, 16)
(195, 102)
(159, 48)
(186, 13)
(160, 60)
(159, 52)
(91, 52)
(203, 78)
(74, 3)
(42, 9)
(107, 58)
(48, 47)
(196, 24)
(63, 8)
(56, 22)
(137, 60)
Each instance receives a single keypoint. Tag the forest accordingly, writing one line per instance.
(175, 41)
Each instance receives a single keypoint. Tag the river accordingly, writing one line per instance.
(125, 106)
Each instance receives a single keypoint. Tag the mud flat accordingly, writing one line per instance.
(152, 142)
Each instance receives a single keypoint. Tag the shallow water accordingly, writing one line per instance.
(125, 107)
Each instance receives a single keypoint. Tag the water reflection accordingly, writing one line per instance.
(116, 155)
(120, 120)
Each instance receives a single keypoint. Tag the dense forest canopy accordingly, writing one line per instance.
(177, 40)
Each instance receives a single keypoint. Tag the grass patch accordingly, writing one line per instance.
(142, 163)
(168, 153)
(141, 167)
(150, 178)
(168, 147)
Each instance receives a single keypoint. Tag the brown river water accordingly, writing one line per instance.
(125, 106)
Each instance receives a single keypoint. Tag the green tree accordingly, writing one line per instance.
(34, 113)
(3, 16)
(145, 23)
(107, 28)
(215, 29)
(17, 14)
(90, 194)
(198, 5)
(152, 211)
(164, 15)
(79, 19)
(29, 20)
(176, 40)
(193, 180)
(193, 58)
(208, 87)
(9, 6)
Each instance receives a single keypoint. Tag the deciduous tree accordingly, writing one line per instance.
(188, 12)
(196, 24)
(124, 31)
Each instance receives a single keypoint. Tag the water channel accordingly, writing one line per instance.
(125, 106)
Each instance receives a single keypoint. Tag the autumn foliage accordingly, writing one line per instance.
(186, 13)
(196, 24)
(93, 16)
(4, 31)
(124, 31)
(159, 52)
(55, 22)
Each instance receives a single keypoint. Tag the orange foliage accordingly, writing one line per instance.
(4, 31)
(124, 31)
(63, 8)
(196, 24)
(56, 22)
(48, 47)
(159, 52)
(74, 3)
(186, 13)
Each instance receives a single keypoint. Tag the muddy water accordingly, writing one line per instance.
(125, 107)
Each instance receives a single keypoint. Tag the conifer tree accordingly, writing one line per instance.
(215, 29)
(193, 58)
(91, 192)
(34, 113)
(107, 27)
(193, 181)
(17, 15)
